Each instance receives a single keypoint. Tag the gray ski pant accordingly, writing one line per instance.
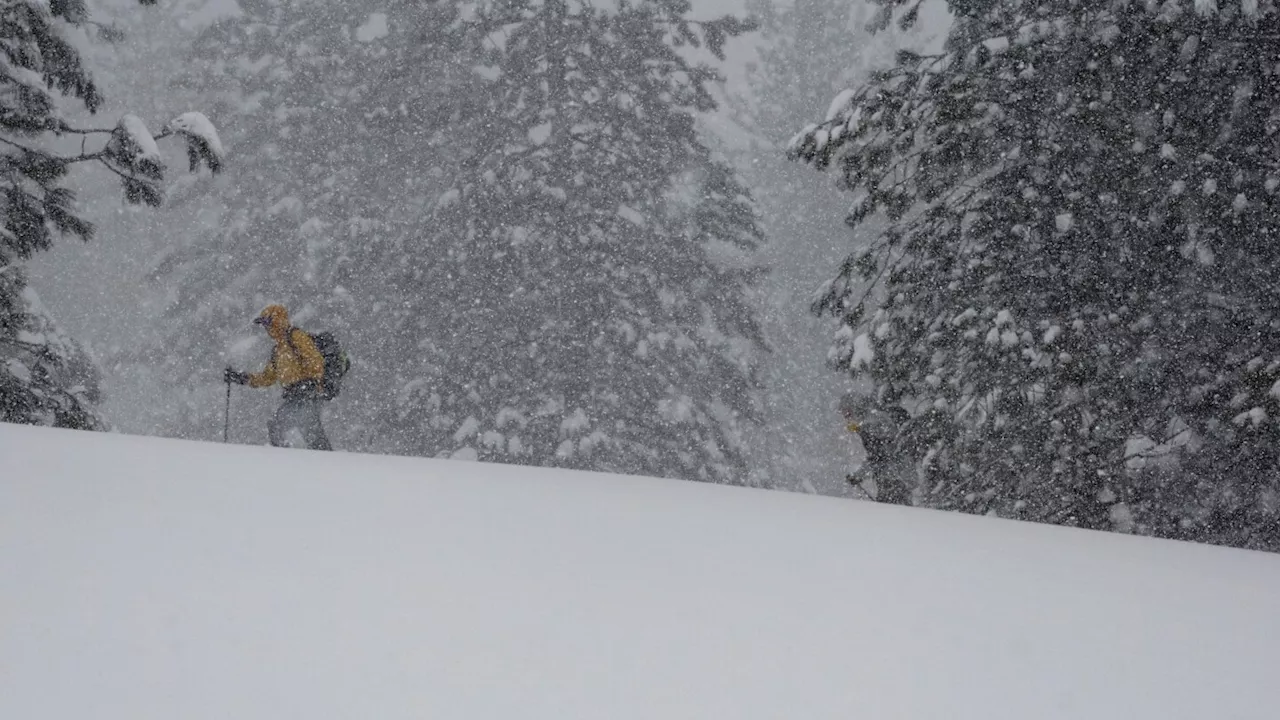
(299, 414)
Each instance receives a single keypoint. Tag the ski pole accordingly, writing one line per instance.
(226, 423)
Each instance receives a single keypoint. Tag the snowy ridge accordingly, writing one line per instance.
(165, 579)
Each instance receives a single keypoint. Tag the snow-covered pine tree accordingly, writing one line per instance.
(590, 259)
(807, 51)
(1078, 275)
(46, 378)
(340, 112)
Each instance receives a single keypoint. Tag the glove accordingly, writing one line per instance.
(233, 376)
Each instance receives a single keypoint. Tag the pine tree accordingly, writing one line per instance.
(1076, 276)
(807, 52)
(340, 137)
(590, 259)
(810, 50)
(46, 378)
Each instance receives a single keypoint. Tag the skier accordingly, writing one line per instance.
(884, 477)
(298, 366)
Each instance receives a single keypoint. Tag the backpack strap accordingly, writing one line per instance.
(289, 339)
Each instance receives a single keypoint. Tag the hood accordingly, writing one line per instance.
(277, 319)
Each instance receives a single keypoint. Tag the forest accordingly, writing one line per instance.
(1009, 259)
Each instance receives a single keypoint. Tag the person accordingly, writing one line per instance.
(883, 476)
(297, 365)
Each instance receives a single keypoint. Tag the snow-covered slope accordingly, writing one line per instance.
(147, 579)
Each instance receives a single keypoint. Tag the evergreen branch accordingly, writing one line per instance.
(884, 266)
(82, 157)
(1148, 453)
(24, 345)
(115, 170)
(67, 129)
(67, 160)
(17, 145)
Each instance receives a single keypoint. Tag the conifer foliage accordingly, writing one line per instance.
(46, 378)
(1075, 292)
(808, 50)
(504, 210)
(343, 133)
(591, 256)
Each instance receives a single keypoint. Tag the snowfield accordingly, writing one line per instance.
(147, 579)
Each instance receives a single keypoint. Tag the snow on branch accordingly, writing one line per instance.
(133, 147)
(203, 144)
(842, 103)
(1206, 8)
(133, 154)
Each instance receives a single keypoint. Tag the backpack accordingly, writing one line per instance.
(336, 363)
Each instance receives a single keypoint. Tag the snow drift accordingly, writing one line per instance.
(149, 579)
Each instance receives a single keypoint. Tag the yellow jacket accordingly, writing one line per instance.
(295, 357)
